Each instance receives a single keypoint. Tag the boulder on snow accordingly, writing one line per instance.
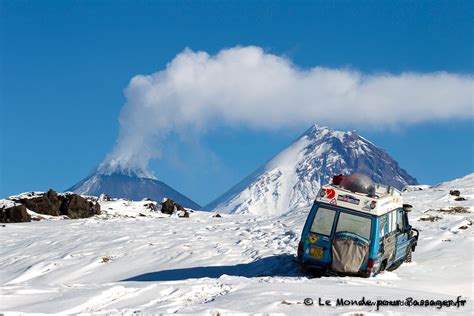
(52, 203)
(150, 207)
(75, 206)
(14, 213)
(105, 198)
(183, 213)
(46, 203)
(452, 210)
(455, 192)
(169, 206)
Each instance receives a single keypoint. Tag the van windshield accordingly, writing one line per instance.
(355, 224)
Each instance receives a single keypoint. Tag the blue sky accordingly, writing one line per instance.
(65, 64)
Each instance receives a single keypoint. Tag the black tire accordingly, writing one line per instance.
(383, 266)
(395, 265)
(365, 275)
(409, 255)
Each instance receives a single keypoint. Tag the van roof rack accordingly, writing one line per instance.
(378, 200)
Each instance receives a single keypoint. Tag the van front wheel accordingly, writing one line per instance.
(408, 256)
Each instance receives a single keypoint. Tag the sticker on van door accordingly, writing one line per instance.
(313, 238)
(316, 252)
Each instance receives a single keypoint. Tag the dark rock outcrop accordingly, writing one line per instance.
(75, 206)
(169, 206)
(183, 214)
(150, 207)
(455, 192)
(47, 203)
(14, 214)
(69, 204)
(105, 197)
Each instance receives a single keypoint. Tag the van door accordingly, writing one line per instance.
(318, 243)
(401, 235)
(350, 247)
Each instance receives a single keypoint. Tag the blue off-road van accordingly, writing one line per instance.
(356, 227)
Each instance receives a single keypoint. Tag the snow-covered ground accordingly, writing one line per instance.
(133, 260)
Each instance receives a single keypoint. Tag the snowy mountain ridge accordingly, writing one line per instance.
(293, 177)
(131, 187)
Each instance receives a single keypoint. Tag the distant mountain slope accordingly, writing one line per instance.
(293, 177)
(130, 187)
(438, 197)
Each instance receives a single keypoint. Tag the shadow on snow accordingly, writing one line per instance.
(278, 265)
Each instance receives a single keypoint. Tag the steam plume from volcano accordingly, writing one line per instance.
(248, 87)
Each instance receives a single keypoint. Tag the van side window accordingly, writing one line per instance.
(323, 221)
(392, 221)
(382, 226)
(400, 220)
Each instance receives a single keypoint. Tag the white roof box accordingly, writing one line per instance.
(358, 192)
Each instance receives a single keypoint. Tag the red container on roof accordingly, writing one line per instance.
(336, 180)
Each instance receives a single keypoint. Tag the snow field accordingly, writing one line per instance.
(122, 262)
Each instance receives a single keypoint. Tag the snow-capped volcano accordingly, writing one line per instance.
(130, 186)
(293, 177)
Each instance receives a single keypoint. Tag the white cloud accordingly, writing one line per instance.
(245, 86)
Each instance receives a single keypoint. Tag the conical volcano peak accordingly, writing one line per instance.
(324, 132)
(131, 183)
(119, 185)
(318, 130)
(292, 178)
(111, 167)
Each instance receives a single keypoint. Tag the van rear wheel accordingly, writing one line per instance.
(395, 265)
(409, 255)
(382, 267)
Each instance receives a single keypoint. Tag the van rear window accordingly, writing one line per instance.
(354, 224)
(322, 223)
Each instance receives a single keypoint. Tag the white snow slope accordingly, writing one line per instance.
(293, 177)
(123, 263)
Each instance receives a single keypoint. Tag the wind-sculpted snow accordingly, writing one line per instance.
(131, 259)
(293, 177)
